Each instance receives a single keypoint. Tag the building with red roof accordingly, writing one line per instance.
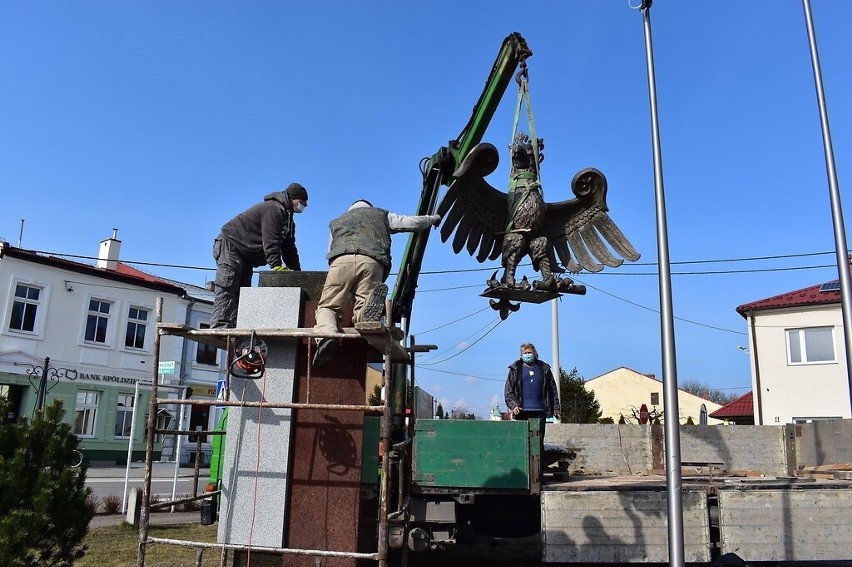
(85, 334)
(737, 412)
(798, 356)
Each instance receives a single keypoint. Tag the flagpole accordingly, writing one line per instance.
(834, 194)
(671, 410)
(554, 336)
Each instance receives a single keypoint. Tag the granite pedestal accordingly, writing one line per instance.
(293, 477)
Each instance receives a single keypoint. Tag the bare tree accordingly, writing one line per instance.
(654, 416)
(461, 413)
(702, 390)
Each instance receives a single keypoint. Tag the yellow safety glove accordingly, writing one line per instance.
(281, 268)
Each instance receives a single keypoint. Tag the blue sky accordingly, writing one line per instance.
(166, 119)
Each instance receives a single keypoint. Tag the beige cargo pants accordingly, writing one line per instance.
(348, 275)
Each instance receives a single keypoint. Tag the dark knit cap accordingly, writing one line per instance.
(296, 191)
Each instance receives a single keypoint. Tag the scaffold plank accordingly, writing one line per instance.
(375, 333)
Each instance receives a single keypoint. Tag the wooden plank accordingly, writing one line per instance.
(283, 333)
(379, 337)
(825, 468)
(818, 476)
(196, 335)
(747, 473)
(375, 333)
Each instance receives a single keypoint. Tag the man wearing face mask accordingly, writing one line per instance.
(530, 389)
(262, 234)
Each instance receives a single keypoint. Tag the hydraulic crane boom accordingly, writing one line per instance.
(513, 53)
(438, 170)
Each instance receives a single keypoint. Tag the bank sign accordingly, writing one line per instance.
(107, 378)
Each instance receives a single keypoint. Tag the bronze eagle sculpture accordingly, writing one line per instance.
(488, 222)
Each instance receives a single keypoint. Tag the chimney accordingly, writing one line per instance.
(108, 254)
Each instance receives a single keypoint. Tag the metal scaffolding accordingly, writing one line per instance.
(385, 339)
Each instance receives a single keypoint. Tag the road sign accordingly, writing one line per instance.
(166, 367)
(220, 391)
(643, 414)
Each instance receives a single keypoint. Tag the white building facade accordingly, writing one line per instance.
(86, 335)
(798, 356)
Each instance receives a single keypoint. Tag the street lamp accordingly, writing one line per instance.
(43, 374)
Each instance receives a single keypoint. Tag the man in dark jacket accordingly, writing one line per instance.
(530, 390)
(263, 234)
(359, 259)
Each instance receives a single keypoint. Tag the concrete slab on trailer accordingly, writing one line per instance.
(619, 522)
(785, 519)
(802, 522)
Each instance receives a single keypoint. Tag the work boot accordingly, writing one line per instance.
(374, 307)
(325, 350)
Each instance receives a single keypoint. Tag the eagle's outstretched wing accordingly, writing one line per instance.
(472, 208)
(577, 229)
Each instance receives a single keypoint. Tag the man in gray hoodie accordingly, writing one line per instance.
(359, 261)
(263, 234)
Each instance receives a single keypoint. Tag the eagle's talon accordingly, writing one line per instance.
(549, 284)
(563, 284)
(493, 282)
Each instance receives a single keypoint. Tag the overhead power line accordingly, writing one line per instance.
(135, 262)
(651, 309)
(452, 322)
(465, 375)
(493, 268)
(611, 273)
(427, 363)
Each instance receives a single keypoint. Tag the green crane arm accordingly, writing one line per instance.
(438, 170)
(513, 53)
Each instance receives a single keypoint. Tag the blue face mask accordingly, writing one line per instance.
(528, 357)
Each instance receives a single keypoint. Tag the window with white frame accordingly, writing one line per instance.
(86, 412)
(813, 344)
(97, 321)
(137, 325)
(124, 415)
(205, 354)
(25, 308)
